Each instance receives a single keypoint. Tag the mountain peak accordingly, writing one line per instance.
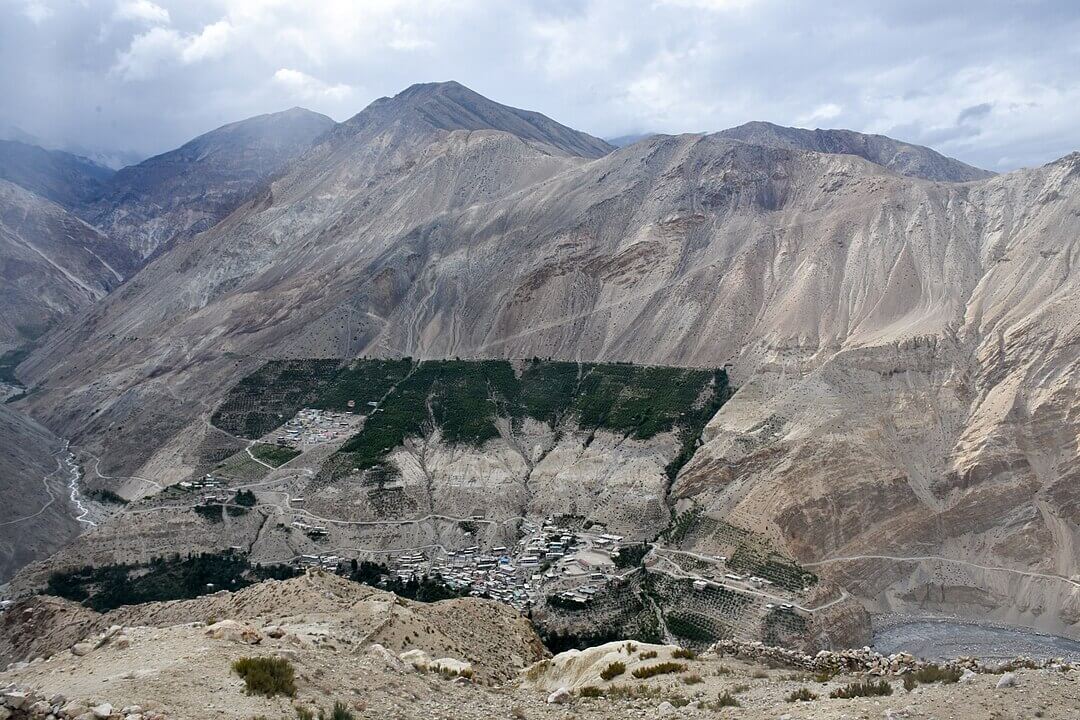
(450, 106)
(896, 155)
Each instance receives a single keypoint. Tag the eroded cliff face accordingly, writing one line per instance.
(955, 446)
(533, 471)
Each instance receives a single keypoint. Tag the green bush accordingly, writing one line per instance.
(801, 695)
(648, 655)
(613, 670)
(107, 587)
(683, 654)
(266, 676)
(340, 712)
(692, 679)
(664, 668)
(725, 699)
(590, 691)
(631, 555)
(936, 673)
(867, 688)
(103, 495)
(245, 498)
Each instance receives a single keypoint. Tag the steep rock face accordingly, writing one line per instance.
(51, 263)
(955, 444)
(68, 180)
(905, 349)
(901, 157)
(35, 520)
(185, 191)
(534, 471)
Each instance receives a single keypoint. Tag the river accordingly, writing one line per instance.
(81, 511)
(936, 639)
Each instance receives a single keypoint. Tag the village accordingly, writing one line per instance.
(552, 560)
(311, 427)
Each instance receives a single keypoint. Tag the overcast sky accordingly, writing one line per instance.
(996, 84)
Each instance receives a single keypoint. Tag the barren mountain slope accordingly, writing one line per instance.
(901, 157)
(187, 190)
(35, 520)
(51, 265)
(902, 390)
(953, 437)
(65, 179)
(342, 644)
(493, 637)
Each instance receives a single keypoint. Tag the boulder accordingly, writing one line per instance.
(381, 656)
(665, 709)
(968, 676)
(102, 711)
(560, 697)
(451, 666)
(82, 648)
(73, 709)
(15, 699)
(417, 658)
(235, 632)
(274, 631)
(39, 709)
(1007, 680)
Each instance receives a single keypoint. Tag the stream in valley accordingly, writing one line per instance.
(938, 639)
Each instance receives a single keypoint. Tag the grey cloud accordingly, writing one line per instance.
(932, 71)
(974, 112)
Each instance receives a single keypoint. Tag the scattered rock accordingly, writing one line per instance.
(82, 648)
(417, 658)
(274, 631)
(15, 699)
(235, 632)
(381, 655)
(451, 666)
(39, 709)
(560, 697)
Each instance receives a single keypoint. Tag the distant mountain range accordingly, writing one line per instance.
(900, 326)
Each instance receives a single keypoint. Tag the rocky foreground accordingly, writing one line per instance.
(378, 656)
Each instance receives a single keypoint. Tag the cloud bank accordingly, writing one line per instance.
(996, 84)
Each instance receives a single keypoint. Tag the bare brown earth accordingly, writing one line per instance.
(906, 350)
(164, 659)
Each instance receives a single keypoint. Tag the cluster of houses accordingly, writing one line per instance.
(208, 482)
(312, 427)
(515, 575)
(312, 531)
(330, 563)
